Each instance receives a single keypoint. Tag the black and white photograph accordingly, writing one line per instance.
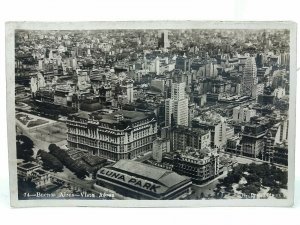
(160, 113)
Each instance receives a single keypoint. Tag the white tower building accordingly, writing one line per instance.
(157, 64)
(177, 106)
(129, 91)
(249, 79)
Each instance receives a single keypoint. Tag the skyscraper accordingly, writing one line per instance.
(163, 41)
(249, 79)
(157, 64)
(129, 90)
(178, 91)
(177, 106)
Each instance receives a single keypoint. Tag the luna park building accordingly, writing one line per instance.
(141, 181)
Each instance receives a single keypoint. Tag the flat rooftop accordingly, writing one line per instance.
(165, 177)
(133, 116)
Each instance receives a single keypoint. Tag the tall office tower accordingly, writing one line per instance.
(249, 79)
(181, 112)
(284, 59)
(129, 89)
(216, 124)
(157, 64)
(168, 112)
(284, 129)
(88, 52)
(183, 63)
(178, 91)
(177, 106)
(41, 64)
(163, 41)
(50, 55)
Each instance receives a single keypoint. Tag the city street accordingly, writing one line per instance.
(206, 189)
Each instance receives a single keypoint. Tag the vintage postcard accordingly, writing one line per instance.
(151, 114)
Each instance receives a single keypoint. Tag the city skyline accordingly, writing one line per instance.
(152, 114)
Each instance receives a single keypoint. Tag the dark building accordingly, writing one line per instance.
(280, 154)
(183, 64)
(253, 139)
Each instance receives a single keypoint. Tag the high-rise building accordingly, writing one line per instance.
(178, 91)
(160, 146)
(184, 137)
(280, 154)
(157, 64)
(275, 145)
(257, 90)
(36, 83)
(163, 41)
(183, 63)
(284, 129)
(129, 90)
(214, 123)
(249, 78)
(285, 59)
(252, 143)
(41, 64)
(181, 112)
(176, 108)
(242, 114)
(168, 112)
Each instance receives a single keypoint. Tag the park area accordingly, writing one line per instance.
(29, 121)
(42, 131)
(253, 181)
(52, 133)
(245, 181)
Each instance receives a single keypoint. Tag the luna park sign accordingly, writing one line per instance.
(131, 180)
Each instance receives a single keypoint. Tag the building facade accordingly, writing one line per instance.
(160, 146)
(199, 165)
(249, 78)
(119, 135)
(252, 142)
(242, 114)
(216, 124)
(176, 107)
(184, 137)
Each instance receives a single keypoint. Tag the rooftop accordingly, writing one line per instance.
(197, 154)
(195, 131)
(132, 116)
(165, 177)
(209, 118)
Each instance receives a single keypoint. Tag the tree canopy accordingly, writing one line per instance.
(24, 147)
(256, 175)
(50, 161)
(66, 160)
